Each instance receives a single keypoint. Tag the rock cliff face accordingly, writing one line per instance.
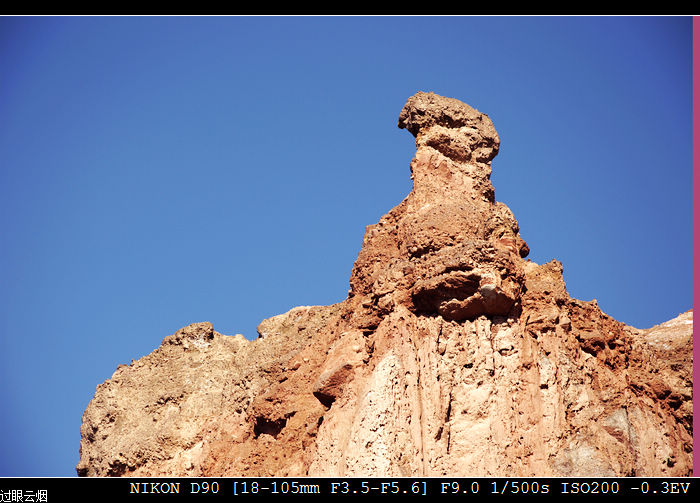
(452, 355)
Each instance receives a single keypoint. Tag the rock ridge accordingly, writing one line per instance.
(452, 355)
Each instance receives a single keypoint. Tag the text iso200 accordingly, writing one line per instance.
(592, 487)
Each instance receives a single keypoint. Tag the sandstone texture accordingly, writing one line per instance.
(453, 355)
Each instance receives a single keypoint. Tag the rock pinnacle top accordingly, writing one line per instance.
(454, 128)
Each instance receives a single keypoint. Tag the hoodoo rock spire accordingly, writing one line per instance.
(452, 355)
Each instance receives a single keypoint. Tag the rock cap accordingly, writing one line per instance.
(427, 109)
(450, 126)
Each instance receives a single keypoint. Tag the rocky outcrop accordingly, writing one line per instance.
(452, 355)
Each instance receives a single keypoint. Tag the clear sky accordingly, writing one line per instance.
(156, 172)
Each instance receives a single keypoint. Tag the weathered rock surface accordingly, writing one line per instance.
(452, 355)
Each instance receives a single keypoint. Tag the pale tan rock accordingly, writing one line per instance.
(452, 355)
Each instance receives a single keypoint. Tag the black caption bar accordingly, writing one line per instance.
(22, 490)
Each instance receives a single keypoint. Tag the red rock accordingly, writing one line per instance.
(452, 355)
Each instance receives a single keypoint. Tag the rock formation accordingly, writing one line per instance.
(452, 355)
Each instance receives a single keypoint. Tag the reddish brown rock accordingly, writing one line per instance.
(452, 355)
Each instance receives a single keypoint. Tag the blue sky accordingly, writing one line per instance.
(156, 172)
